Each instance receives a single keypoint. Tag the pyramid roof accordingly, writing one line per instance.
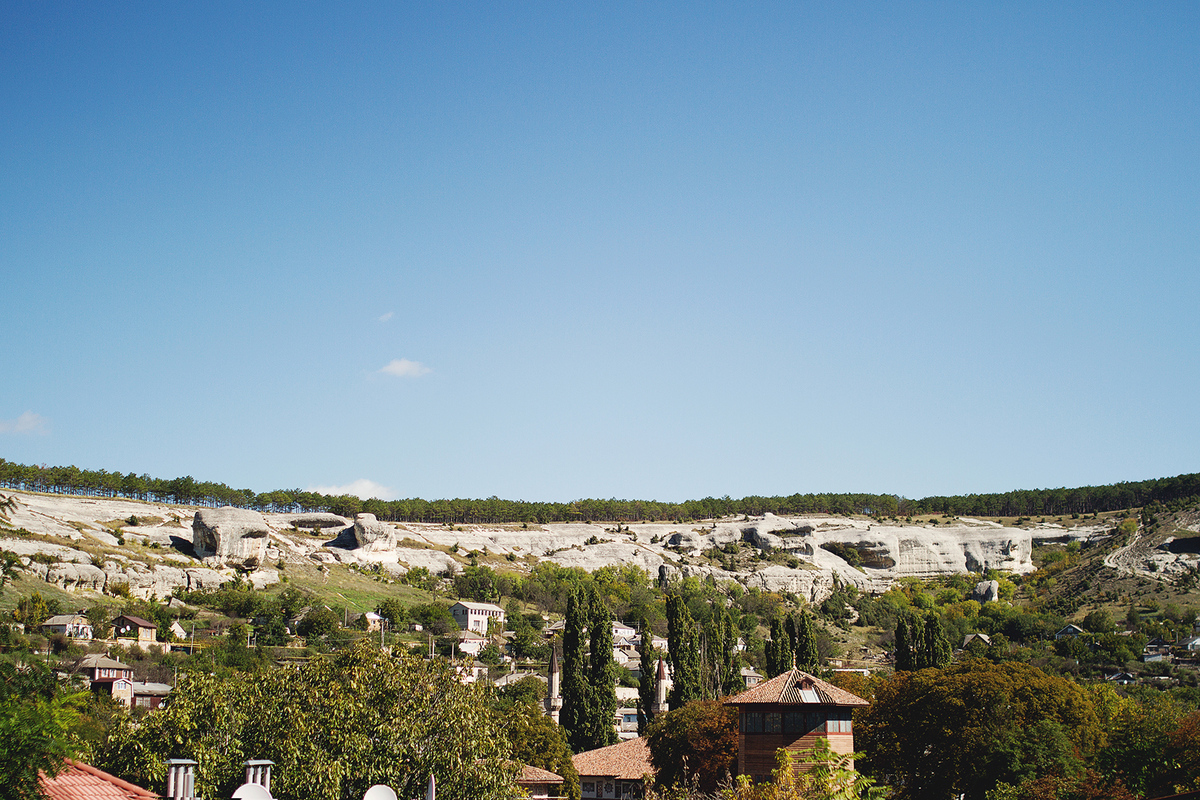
(798, 688)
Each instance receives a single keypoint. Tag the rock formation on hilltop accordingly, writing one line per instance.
(373, 535)
(230, 536)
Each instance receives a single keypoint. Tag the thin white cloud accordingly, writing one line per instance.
(360, 488)
(27, 423)
(385, 317)
(403, 368)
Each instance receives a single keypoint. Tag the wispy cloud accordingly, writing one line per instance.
(385, 317)
(27, 423)
(360, 488)
(403, 368)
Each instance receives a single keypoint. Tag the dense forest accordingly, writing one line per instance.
(1168, 492)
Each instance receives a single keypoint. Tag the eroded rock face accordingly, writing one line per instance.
(373, 535)
(986, 591)
(318, 521)
(228, 535)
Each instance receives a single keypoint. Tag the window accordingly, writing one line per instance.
(752, 722)
(771, 723)
(840, 721)
(589, 787)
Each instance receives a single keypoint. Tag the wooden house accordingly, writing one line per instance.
(793, 711)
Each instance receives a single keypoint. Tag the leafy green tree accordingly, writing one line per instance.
(320, 621)
(34, 610)
(35, 721)
(538, 742)
(826, 776)
(434, 618)
(394, 612)
(701, 738)
(334, 727)
(959, 731)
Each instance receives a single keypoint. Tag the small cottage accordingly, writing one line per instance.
(617, 771)
(128, 626)
(539, 783)
(73, 626)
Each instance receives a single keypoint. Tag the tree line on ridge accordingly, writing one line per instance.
(1169, 492)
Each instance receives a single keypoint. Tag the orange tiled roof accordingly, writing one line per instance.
(537, 775)
(84, 782)
(792, 688)
(628, 760)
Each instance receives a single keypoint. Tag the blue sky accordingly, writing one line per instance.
(547, 251)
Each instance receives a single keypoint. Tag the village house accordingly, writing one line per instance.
(750, 677)
(539, 783)
(470, 642)
(476, 616)
(73, 626)
(102, 672)
(140, 694)
(1069, 632)
(617, 771)
(128, 626)
(792, 711)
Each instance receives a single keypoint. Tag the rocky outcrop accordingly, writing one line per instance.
(233, 536)
(986, 592)
(373, 535)
(316, 521)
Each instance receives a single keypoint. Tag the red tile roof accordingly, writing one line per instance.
(537, 775)
(796, 687)
(83, 782)
(628, 760)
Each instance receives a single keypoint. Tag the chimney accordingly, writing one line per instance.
(181, 779)
(259, 771)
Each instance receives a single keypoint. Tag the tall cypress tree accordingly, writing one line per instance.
(937, 646)
(779, 649)
(575, 708)
(602, 677)
(904, 646)
(683, 643)
(646, 687)
(805, 643)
